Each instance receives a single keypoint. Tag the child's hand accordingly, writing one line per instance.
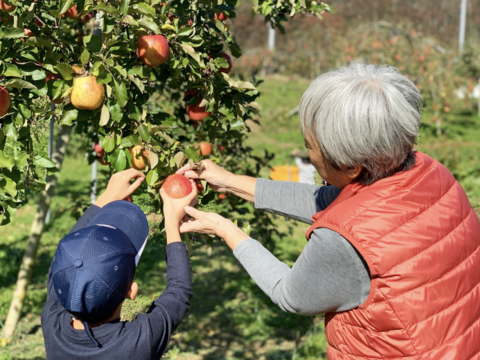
(119, 186)
(174, 209)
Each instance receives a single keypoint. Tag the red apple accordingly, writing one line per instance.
(99, 150)
(39, 24)
(86, 94)
(71, 13)
(4, 101)
(222, 196)
(128, 198)
(195, 111)
(177, 186)
(153, 50)
(7, 8)
(221, 147)
(28, 32)
(86, 18)
(199, 186)
(205, 148)
(221, 17)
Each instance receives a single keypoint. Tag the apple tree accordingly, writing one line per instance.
(148, 80)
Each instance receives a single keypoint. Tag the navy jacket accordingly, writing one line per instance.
(146, 337)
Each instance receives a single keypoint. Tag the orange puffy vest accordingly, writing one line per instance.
(420, 238)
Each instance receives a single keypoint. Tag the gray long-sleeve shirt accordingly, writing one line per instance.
(329, 275)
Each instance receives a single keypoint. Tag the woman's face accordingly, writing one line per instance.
(338, 178)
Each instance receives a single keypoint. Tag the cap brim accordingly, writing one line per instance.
(128, 218)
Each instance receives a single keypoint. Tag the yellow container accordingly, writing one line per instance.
(284, 173)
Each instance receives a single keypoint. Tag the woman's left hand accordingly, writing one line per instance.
(211, 223)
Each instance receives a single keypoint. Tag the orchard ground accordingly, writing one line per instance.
(230, 317)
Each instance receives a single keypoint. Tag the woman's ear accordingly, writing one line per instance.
(132, 293)
(353, 172)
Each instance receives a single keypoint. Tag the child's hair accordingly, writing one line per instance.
(87, 318)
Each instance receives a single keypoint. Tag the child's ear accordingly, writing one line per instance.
(132, 293)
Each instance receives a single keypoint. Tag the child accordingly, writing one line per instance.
(93, 271)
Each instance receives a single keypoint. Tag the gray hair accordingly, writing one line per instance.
(363, 115)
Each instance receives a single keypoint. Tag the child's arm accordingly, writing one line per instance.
(118, 188)
(165, 314)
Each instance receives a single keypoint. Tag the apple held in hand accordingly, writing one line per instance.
(195, 111)
(4, 101)
(137, 159)
(7, 8)
(153, 50)
(86, 94)
(177, 186)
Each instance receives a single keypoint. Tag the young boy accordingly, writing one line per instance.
(93, 271)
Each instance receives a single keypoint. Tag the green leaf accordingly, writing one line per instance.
(116, 112)
(120, 70)
(12, 71)
(108, 143)
(85, 57)
(179, 158)
(19, 84)
(148, 24)
(124, 7)
(5, 162)
(21, 160)
(104, 77)
(118, 160)
(153, 159)
(143, 9)
(130, 141)
(44, 161)
(10, 131)
(13, 33)
(10, 187)
(143, 132)
(93, 43)
(65, 5)
(105, 8)
(65, 71)
(191, 51)
(152, 178)
(69, 116)
(192, 154)
(120, 92)
(137, 82)
(186, 31)
(105, 116)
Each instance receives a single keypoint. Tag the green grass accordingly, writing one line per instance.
(230, 317)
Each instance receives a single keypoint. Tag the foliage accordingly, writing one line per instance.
(51, 44)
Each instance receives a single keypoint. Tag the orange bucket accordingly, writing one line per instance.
(285, 173)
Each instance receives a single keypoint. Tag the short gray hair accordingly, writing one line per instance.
(363, 115)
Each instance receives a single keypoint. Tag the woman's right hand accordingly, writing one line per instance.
(218, 178)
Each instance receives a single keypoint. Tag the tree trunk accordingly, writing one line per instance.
(26, 267)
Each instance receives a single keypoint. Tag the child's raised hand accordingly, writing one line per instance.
(119, 186)
(174, 209)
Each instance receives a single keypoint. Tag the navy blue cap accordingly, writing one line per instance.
(94, 267)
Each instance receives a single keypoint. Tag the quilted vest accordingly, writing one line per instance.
(420, 238)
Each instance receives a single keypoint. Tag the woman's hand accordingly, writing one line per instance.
(119, 187)
(211, 223)
(218, 178)
(222, 180)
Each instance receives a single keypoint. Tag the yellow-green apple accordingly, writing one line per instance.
(137, 158)
(86, 94)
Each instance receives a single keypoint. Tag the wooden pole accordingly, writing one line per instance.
(36, 231)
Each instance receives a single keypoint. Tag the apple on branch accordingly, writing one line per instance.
(4, 101)
(7, 8)
(86, 93)
(205, 148)
(225, 70)
(153, 50)
(195, 111)
(137, 152)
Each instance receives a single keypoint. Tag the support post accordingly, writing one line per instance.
(463, 22)
(50, 151)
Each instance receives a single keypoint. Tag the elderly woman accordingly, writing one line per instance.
(393, 257)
